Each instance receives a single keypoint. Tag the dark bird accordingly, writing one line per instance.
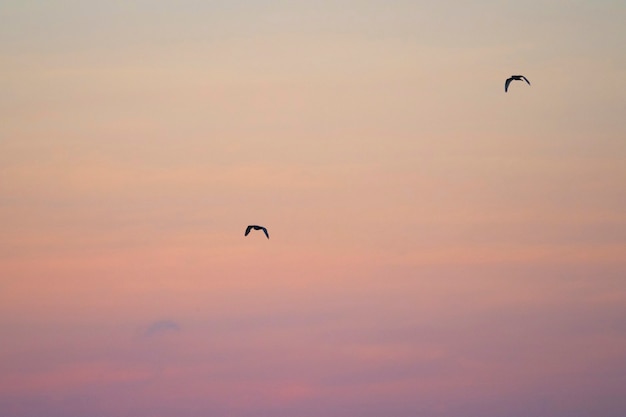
(514, 77)
(255, 227)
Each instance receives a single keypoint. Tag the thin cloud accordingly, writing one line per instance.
(162, 326)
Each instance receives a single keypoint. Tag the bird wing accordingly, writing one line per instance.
(265, 231)
(506, 84)
(526, 79)
(248, 230)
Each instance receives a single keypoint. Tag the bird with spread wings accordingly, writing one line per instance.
(514, 77)
(256, 227)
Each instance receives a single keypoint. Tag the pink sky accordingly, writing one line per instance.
(438, 248)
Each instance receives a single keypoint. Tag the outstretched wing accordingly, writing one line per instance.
(265, 231)
(248, 230)
(526, 79)
(506, 84)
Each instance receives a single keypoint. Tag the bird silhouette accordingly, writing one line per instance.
(514, 77)
(255, 227)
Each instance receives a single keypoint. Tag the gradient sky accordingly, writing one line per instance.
(438, 248)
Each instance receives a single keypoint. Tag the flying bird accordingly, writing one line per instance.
(514, 77)
(255, 227)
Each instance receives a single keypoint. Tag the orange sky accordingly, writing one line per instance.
(438, 247)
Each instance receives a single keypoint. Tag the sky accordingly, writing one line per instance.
(438, 247)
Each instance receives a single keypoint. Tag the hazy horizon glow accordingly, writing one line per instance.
(438, 248)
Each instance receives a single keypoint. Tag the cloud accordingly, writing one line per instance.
(161, 326)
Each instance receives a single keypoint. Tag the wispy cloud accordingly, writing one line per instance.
(160, 327)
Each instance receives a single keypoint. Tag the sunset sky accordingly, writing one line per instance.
(438, 247)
